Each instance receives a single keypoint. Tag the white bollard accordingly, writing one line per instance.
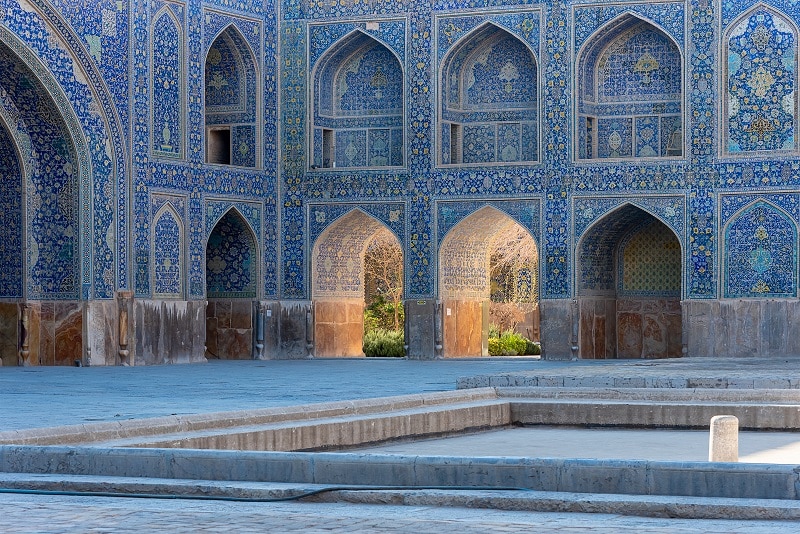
(723, 442)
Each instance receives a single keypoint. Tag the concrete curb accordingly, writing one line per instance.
(531, 500)
(631, 477)
(158, 426)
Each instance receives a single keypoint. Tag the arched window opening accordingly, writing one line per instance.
(358, 106)
(230, 101)
(490, 105)
(629, 93)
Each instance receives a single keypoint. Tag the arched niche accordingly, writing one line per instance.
(629, 285)
(337, 283)
(231, 287)
(465, 281)
(231, 103)
(168, 253)
(760, 253)
(358, 106)
(489, 105)
(167, 94)
(629, 93)
(760, 82)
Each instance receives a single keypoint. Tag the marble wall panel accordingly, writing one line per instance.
(338, 328)
(9, 333)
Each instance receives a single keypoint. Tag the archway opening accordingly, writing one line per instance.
(40, 280)
(629, 288)
(488, 285)
(231, 275)
(354, 264)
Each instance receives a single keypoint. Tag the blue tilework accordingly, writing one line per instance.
(761, 76)
(231, 259)
(111, 93)
(167, 254)
(167, 122)
(11, 249)
(761, 253)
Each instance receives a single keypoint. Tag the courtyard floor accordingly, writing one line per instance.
(51, 396)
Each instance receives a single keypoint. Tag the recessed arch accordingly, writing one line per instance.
(760, 258)
(231, 100)
(629, 92)
(465, 283)
(55, 206)
(338, 283)
(168, 253)
(489, 110)
(629, 286)
(358, 92)
(232, 270)
(760, 80)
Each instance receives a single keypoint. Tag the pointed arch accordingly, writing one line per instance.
(760, 258)
(760, 80)
(622, 70)
(338, 255)
(57, 233)
(464, 253)
(231, 100)
(358, 105)
(167, 89)
(480, 120)
(232, 258)
(487, 262)
(168, 253)
(629, 286)
(338, 282)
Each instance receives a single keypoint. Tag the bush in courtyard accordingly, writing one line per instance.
(510, 343)
(380, 343)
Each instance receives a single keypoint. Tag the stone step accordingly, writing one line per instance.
(505, 499)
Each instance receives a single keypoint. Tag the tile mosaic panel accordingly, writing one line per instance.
(231, 259)
(761, 74)
(761, 253)
(167, 254)
(166, 58)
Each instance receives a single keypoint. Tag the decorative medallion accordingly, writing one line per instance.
(645, 66)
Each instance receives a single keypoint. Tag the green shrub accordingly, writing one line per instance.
(533, 348)
(380, 343)
(510, 343)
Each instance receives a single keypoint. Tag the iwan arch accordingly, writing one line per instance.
(186, 180)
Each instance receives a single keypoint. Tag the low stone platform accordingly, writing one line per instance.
(685, 373)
